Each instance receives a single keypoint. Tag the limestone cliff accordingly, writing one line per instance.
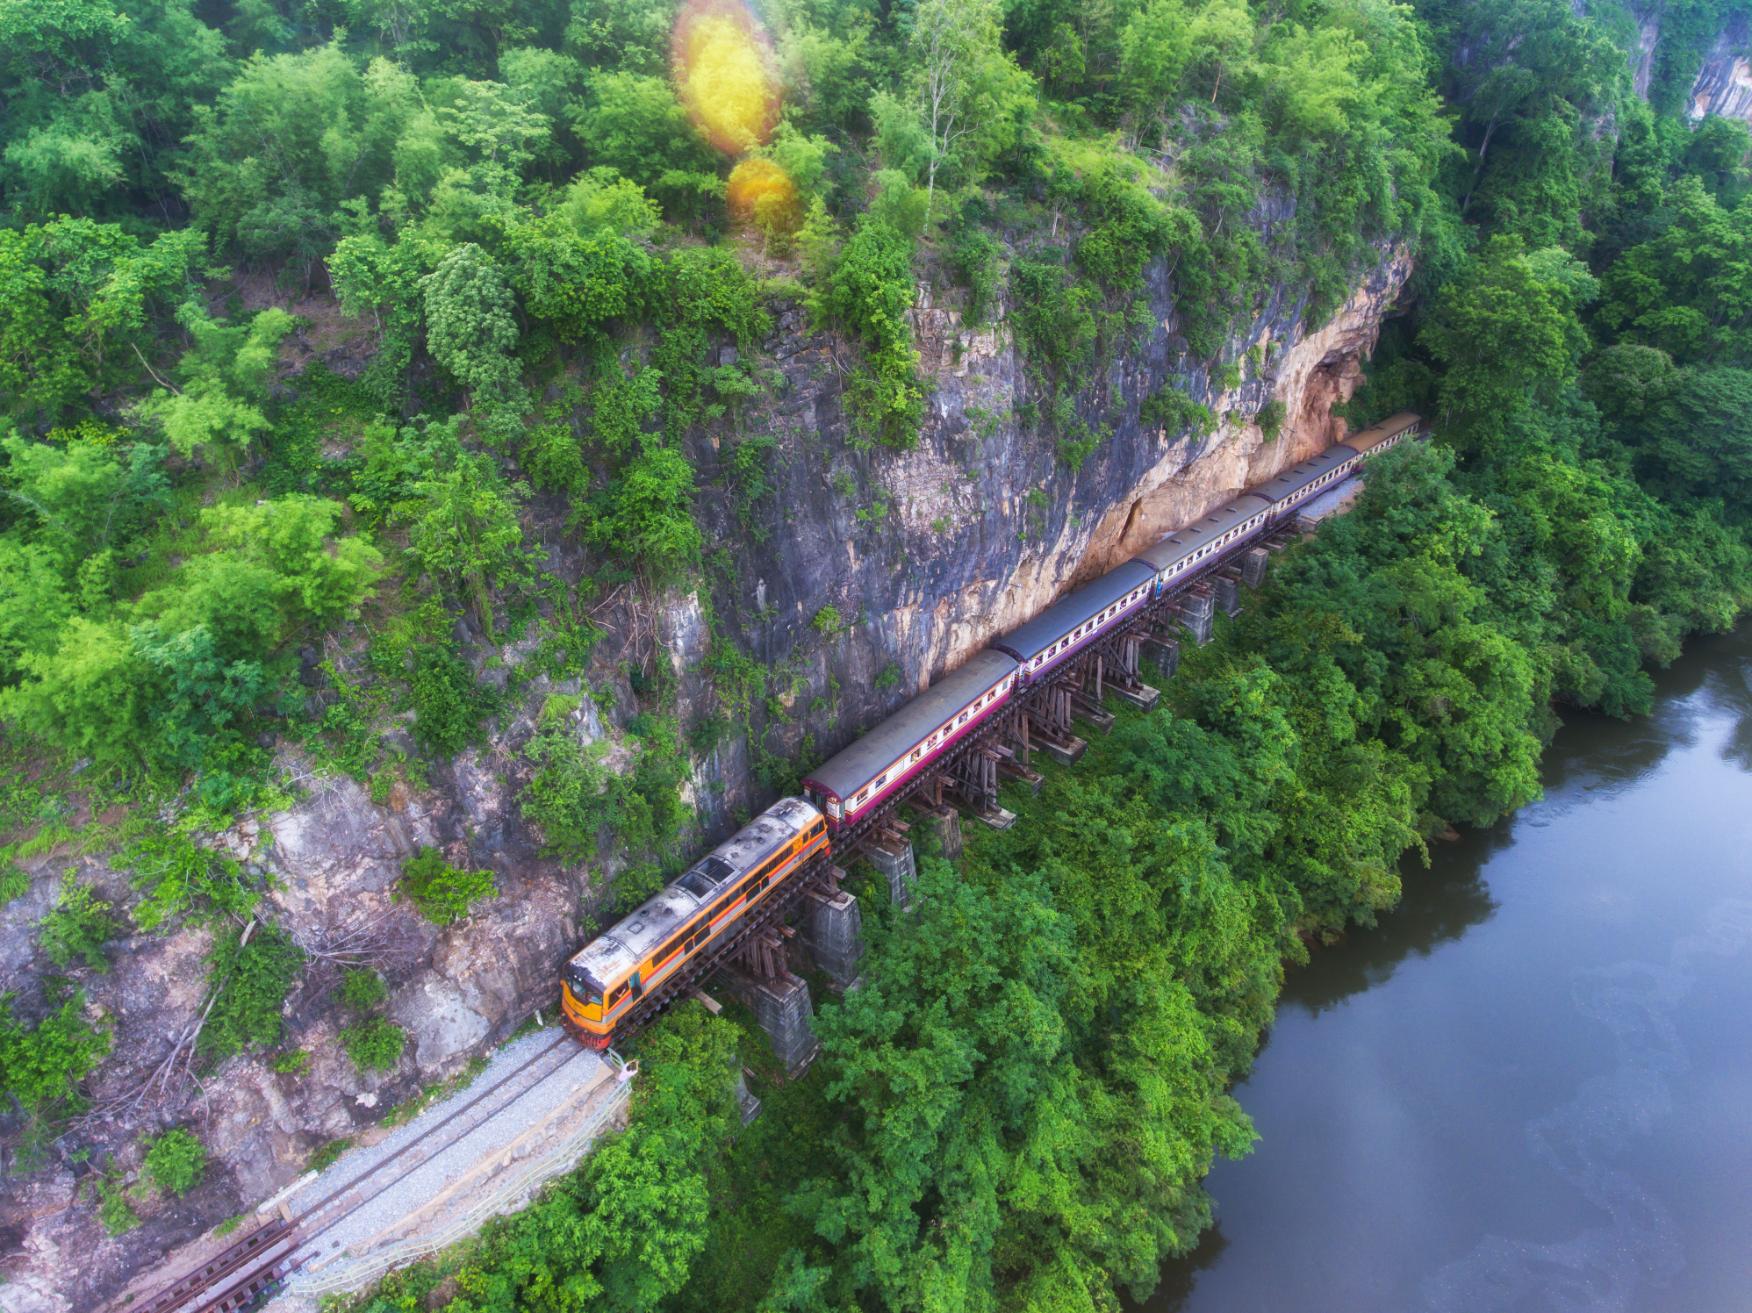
(1724, 83)
(925, 555)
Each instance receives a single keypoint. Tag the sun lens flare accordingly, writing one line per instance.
(762, 194)
(724, 74)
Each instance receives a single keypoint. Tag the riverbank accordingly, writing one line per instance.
(1525, 1088)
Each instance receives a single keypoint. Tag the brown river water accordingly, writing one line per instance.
(1530, 1089)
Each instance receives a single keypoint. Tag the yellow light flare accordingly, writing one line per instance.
(761, 193)
(724, 74)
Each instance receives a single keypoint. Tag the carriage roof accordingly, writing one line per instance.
(867, 757)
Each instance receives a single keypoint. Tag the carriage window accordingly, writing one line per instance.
(880, 781)
(962, 719)
(616, 994)
(862, 794)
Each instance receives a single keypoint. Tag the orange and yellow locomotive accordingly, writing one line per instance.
(606, 983)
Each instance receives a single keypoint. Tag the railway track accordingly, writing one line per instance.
(241, 1273)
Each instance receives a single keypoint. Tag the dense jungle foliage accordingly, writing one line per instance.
(550, 238)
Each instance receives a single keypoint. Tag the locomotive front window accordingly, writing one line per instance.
(582, 986)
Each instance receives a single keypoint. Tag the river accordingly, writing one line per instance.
(1530, 1088)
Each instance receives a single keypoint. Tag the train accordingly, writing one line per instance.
(605, 985)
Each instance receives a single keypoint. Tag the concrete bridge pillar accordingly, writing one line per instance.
(783, 1009)
(1195, 615)
(894, 861)
(945, 823)
(1167, 655)
(746, 1099)
(1253, 566)
(1228, 595)
(833, 932)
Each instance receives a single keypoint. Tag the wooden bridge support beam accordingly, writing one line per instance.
(1049, 727)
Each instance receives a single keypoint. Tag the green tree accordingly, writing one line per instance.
(78, 300)
(470, 326)
(293, 136)
(1508, 334)
(633, 123)
(463, 529)
(225, 378)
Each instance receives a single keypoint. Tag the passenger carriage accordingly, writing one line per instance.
(1301, 483)
(1390, 432)
(847, 786)
(1187, 551)
(1075, 621)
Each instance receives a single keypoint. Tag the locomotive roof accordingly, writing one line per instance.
(1376, 434)
(1031, 639)
(1182, 543)
(611, 955)
(844, 774)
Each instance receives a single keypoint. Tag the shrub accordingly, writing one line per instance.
(974, 256)
(41, 1066)
(175, 1161)
(448, 703)
(362, 989)
(327, 1152)
(374, 1044)
(249, 981)
(1054, 318)
(77, 928)
(827, 621)
(572, 796)
(180, 876)
(113, 1209)
(13, 881)
(1171, 410)
(443, 893)
(871, 294)
(1271, 419)
(295, 1062)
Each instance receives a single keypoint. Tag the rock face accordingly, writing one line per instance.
(927, 554)
(924, 555)
(1724, 83)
